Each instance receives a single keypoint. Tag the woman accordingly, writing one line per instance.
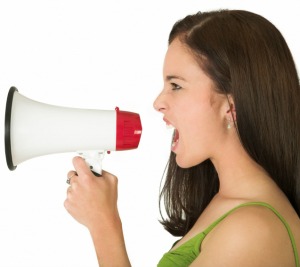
(231, 92)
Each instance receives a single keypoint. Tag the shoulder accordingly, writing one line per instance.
(249, 236)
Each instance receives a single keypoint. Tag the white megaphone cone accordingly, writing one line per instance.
(34, 129)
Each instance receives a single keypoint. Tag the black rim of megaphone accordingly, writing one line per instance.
(9, 103)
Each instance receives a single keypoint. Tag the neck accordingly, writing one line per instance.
(240, 176)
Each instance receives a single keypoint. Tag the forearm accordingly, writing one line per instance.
(109, 244)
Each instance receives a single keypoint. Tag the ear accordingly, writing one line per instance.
(230, 110)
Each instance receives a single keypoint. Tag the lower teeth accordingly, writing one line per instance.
(174, 143)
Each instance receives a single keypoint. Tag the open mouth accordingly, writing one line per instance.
(175, 138)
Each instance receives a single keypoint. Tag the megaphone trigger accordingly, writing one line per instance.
(93, 160)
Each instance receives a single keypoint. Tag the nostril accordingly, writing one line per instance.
(157, 106)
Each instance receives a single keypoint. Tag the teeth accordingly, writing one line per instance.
(174, 143)
(170, 126)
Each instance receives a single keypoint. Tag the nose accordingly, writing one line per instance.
(159, 103)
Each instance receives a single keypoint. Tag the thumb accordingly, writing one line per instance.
(81, 166)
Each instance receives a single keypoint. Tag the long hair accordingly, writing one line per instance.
(246, 57)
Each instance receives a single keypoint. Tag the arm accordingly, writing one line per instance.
(92, 201)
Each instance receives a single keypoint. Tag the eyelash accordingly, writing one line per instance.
(175, 86)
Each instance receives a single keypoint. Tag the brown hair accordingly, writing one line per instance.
(247, 57)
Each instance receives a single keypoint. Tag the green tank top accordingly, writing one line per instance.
(185, 254)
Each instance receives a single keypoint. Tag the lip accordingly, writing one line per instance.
(166, 121)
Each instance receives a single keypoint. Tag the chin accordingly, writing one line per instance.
(186, 163)
(183, 163)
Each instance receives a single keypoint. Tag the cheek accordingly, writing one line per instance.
(198, 139)
(192, 145)
(199, 119)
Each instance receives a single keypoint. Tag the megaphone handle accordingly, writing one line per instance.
(93, 160)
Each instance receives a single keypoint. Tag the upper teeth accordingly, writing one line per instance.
(170, 126)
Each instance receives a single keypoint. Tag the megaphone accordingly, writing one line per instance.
(34, 129)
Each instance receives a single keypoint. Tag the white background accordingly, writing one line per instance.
(95, 54)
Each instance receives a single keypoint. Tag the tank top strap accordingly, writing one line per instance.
(215, 223)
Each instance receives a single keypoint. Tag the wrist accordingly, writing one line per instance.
(109, 242)
(105, 224)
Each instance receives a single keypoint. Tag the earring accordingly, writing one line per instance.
(228, 125)
(228, 122)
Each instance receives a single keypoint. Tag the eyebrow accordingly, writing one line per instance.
(170, 77)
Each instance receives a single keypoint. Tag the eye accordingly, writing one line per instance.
(175, 86)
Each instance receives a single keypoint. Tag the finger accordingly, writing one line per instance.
(67, 203)
(108, 174)
(70, 175)
(111, 178)
(81, 166)
(69, 190)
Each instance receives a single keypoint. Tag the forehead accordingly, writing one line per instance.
(177, 50)
(179, 61)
